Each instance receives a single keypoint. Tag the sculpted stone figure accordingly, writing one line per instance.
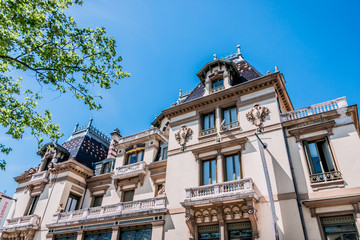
(257, 116)
(183, 135)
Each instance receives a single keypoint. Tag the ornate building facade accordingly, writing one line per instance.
(230, 159)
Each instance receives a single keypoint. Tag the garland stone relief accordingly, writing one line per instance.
(183, 135)
(257, 116)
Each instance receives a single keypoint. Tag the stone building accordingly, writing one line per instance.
(230, 159)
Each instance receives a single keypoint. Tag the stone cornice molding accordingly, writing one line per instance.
(271, 80)
(72, 166)
(328, 126)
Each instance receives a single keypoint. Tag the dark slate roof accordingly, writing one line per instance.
(246, 71)
(86, 150)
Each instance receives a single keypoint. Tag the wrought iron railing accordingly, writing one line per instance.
(314, 109)
(229, 126)
(207, 131)
(325, 177)
(219, 189)
(214, 90)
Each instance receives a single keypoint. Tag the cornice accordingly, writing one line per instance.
(72, 166)
(271, 80)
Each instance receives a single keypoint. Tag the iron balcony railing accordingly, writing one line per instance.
(325, 177)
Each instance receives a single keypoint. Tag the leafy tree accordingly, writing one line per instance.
(37, 37)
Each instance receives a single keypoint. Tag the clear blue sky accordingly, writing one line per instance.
(315, 44)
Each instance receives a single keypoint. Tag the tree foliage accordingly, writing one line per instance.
(37, 37)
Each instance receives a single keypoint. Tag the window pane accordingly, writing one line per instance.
(140, 156)
(215, 84)
(132, 158)
(328, 158)
(233, 115)
(229, 169)
(165, 151)
(227, 116)
(206, 173)
(33, 204)
(97, 201)
(315, 158)
(128, 196)
(211, 120)
(213, 171)
(237, 167)
(221, 82)
(73, 204)
(206, 122)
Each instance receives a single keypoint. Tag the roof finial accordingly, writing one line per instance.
(276, 69)
(214, 56)
(238, 49)
(179, 92)
(76, 127)
(90, 121)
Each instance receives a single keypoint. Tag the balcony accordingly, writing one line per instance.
(135, 172)
(314, 109)
(142, 135)
(325, 177)
(38, 178)
(217, 89)
(220, 192)
(143, 207)
(230, 126)
(22, 223)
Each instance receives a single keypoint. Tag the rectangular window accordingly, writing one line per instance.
(97, 235)
(208, 121)
(217, 83)
(208, 232)
(135, 157)
(106, 167)
(229, 115)
(159, 189)
(339, 227)
(208, 172)
(320, 160)
(72, 203)
(34, 201)
(128, 196)
(164, 153)
(72, 236)
(232, 164)
(97, 201)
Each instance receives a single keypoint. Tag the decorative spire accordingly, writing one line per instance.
(214, 56)
(76, 127)
(90, 122)
(276, 69)
(179, 92)
(238, 49)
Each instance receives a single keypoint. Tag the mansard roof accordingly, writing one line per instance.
(243, 69)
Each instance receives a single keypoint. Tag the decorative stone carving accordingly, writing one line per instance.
(60, 208)
(162, 191)
(257, 116)
(183, 135)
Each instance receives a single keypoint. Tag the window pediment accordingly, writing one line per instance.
(328, 126)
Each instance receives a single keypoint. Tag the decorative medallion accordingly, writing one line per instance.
(257, 116)
(183, 135)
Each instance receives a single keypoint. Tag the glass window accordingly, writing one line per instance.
(72, 203)
(72, 236)
(208, 121)
(106, 167)
(209, 232)
(34, 201)
(319, 156)
(164, 153)
(339, 227)
(98, 235)
(128, 196)
(230, 115)
(217, 83)
(232, 164)
(97, 201)
(208, 172)
(135, 157)
(142, 232)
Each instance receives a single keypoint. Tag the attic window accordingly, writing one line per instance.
(217, 85)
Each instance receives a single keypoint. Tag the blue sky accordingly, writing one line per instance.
(315, 44)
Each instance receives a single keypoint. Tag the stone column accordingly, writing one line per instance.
(115, 233)
(218, 118)
(80, 235)
(157, 230)
(219, 167)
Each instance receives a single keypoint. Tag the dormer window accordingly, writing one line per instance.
(217, 85)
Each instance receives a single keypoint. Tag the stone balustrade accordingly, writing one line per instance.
(23, 222)
(142, 134)
(129, 170)
(314, 109)
(237, 189)
(119, 210)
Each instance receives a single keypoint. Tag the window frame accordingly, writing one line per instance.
(217, 80)
(31, 205)
(234, 170)
(108, 168)
(210, 171)
(127, 190)
(203, 115)
(94, 198)
(77, 204)
(131, 152)
(229, 108)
